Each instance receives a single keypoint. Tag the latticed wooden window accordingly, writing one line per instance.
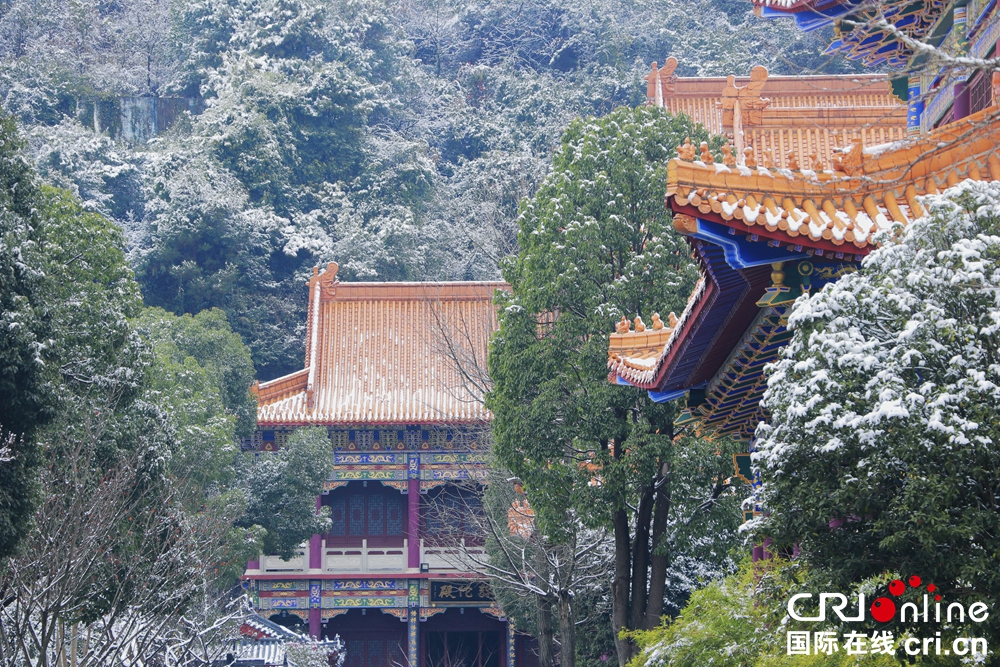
(451, 514)
(356, 506)
(389, 439)
(376, 515)
(338, 516)
(355, 653)
(376, 653)
(980, 92)
(394, 515)
(364, 439)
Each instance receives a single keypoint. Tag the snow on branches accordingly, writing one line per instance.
(881, 454)
(909, 342)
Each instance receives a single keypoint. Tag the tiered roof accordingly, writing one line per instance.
(387, 353)
(837, 210)
(763, 236)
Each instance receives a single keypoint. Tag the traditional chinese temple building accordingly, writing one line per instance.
(391, 373)
(768, 224)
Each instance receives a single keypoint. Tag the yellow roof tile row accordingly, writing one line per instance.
(802, 207)
(387, 353)
(871, 189)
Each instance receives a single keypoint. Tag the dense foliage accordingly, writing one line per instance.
(283, 488)
(740, 621)
(881, 456)
(595, 244)
(395, 138)
(25, 404)
(127, 504)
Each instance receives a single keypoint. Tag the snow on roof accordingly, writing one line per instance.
(387, 353)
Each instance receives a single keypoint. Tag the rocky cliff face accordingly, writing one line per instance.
(135, 119)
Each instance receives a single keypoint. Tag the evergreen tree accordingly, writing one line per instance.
(881, 455)
(282, 490)
(596, 243)
(25, 403)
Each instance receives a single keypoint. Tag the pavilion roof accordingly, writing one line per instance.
(800, 117)
(749, 227)
(837, 210)
(387, 353)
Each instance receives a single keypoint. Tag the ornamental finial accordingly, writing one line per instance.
(686, 151)
(706, 156)
(727, 155)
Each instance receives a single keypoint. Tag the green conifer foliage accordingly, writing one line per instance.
(596, 243)
(24, 399)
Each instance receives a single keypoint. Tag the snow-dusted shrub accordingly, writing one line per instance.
(882, 452)
(739, 621)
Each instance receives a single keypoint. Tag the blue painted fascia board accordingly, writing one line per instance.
(740, 253)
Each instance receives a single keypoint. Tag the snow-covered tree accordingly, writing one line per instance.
(25, 401)
(282, 489)
(881, 453)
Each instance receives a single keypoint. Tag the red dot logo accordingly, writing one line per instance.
(915, 581)
(883, 609)
(931, 588)
(937, 598)
(896, 587)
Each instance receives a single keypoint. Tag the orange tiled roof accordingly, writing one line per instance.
(811, 211)
(387, 353)
(841, 209)
(803, 114)
(636, 356)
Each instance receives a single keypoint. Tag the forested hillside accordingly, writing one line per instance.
(395, 137)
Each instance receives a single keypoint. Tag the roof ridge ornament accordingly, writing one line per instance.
(743, 106)
(660, 82)
(686, 150)
(328, 280)
(851, 160)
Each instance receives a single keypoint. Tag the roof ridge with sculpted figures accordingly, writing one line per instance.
(763, 236)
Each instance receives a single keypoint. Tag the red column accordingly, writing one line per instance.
(961, 104)
(315, 552)
(413, 522)
(315, 623)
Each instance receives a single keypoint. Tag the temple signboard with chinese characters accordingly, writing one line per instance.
(450, 592)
